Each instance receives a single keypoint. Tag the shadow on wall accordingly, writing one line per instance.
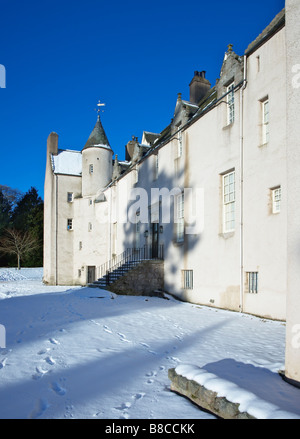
(155, 216)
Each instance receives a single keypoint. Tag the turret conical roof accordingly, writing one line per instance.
(97, 137)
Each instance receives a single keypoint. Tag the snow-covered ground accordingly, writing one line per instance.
(87, 353)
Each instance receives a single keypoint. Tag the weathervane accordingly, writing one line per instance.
(99, 105)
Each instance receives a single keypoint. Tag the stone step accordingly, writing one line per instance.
(115, 274)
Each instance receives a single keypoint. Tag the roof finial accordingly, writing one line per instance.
(99, 105)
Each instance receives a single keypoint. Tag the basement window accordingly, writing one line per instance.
(187, 279)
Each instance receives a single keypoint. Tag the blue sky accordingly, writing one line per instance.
(61, 57)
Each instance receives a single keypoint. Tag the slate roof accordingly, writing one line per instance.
(150, 137)
(97, 137)
(276, 24)
(67, 162)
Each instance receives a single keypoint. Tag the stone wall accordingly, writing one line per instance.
(147, 279)
(204, 398)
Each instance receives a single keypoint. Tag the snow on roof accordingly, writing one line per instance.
(67, 162)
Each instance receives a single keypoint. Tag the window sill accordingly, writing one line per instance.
(178, 243)
(263, 145)
(228, 126)
(227, 235)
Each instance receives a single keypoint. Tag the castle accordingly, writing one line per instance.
(211, 195)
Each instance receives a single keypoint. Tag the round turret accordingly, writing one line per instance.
(96, 161)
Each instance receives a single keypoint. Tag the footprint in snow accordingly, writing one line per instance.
(123, 337)
(145, 345)
(138, 396)
(124, 406)
(43, 351)
(39, 373)
(53, 341)
(106, 329)
(41, 406)
(50, 360)
(57, 389)
(151, 374)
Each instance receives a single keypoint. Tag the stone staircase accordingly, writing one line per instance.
(113, 270)
(112, 276)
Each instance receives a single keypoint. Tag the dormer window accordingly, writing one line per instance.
(230, 103)
(179, 151)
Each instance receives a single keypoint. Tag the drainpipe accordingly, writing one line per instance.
(56, 225)
(241, 306)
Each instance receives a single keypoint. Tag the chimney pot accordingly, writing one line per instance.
(199, 86)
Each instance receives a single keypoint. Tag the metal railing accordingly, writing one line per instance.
(129, 258)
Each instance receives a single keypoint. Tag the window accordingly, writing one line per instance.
(229, 202)
(80, 245)
(90, 202)
(187, 279)
(230, 103)
(252, 282)
(70, 224)
(276, 199)
(179, 144)
(137, 230)
(91, 169)
(155, 173)
(90, 227)
(258, 63)
(79, 273)
(70, 197)
(136, 175)
(265, 121)
(180, 217)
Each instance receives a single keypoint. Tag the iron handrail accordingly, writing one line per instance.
(128, 256)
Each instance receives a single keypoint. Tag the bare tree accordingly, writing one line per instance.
(18, 243)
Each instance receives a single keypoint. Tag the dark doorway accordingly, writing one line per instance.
(91, 273)
(155, 234)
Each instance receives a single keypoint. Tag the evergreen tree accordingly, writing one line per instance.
(5, 212)
(5, 220)
(22, 213)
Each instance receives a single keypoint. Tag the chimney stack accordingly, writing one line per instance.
(199, 86)
(52, 144)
